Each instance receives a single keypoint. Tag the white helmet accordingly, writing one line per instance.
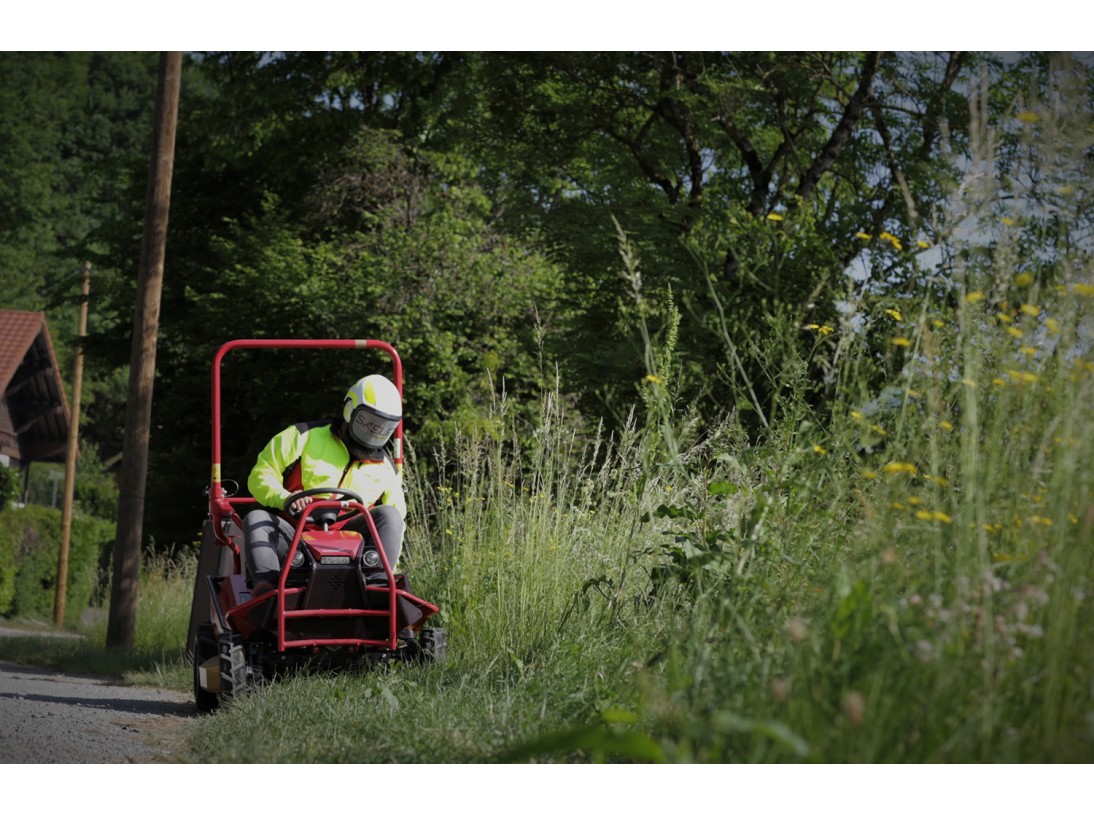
(372, 410)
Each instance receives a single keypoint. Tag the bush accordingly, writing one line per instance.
(29, 545)
(9, 486)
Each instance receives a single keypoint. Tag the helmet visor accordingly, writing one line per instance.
(370, 428)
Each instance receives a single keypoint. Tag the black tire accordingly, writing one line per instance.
(433, 644)
(233, 666)
(205, 646)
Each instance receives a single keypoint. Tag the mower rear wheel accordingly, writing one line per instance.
(205, 646)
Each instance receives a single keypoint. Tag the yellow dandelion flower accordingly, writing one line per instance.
(923, 244)
(939, 480)
(826, 330)
(974, 297)
(1028, 350)
(1009, 221)
(969, 382)
(1024, 279)
(913, 394)
(774, 216)
(869, 475)
(878, 429)
(864, 235)
(1041, 520)
(1073, 518)
(1004, 318)
(892, 239)
(858, 417)
(1085, 289)
(941, 516)
(1015, 332)
(915, 501)
(923, 515)
(1029, 117)
(902, 342)
(945, 425)
(896, 505)
(1030, 309)
(820, 451)
(895, 314)
(937, 323)
(998, 382)
(1053, 325)
(900, 467)
(653, 378)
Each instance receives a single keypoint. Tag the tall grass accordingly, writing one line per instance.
(911, 581)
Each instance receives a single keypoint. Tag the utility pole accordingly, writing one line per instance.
(70, 456)
(122, 622)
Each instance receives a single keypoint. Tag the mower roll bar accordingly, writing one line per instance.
(220, 506)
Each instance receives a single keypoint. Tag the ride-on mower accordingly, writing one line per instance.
(337, 603)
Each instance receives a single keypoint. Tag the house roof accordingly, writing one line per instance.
(34, 417)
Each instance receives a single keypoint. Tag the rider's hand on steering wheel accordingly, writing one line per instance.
(297, 506)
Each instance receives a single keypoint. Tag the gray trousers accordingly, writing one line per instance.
(267, 537)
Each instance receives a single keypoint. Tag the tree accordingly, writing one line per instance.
(297, 218)
(743, 179)
(121, 628)
(68, 122)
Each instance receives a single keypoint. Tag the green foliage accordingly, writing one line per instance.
(95, 492)
(399, 247)
(9, 554)
(9, 486)
(764, 166)
(29, 548)
(157, 657)
(96, 489)
(69, 122)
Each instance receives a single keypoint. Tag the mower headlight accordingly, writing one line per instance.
(298, 559)
(370, 559)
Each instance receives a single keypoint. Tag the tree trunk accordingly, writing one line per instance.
(142, 366)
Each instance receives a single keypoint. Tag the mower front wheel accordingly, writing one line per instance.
(205, 647)
(433, 645)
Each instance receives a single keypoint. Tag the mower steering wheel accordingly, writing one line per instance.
(348, 495)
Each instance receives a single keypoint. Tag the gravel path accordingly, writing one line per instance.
(52, 718)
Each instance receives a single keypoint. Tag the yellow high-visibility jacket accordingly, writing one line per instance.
(309, 455)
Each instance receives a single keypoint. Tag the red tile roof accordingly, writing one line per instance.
(34, 418)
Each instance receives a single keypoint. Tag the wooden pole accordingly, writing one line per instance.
(121, 623)
(70, 456)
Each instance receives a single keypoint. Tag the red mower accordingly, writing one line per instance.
(337, 603)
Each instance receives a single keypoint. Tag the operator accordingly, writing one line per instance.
(348, 453)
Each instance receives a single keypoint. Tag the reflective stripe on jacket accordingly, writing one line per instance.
(314, 456)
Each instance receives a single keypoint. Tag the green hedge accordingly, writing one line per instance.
(30, 540)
